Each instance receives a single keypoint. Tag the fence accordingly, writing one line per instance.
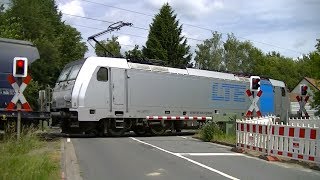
(291, 141)
(304, 121)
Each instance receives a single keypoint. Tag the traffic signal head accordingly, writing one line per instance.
(255, 83)
(20, 67)
(303, 89)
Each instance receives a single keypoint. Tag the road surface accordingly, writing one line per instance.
(175, 158)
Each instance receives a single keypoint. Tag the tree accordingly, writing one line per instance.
(237, 55)
(210, 53)
(112, 45)
(315, 59)
(135, 53)
(40, 22)
(165, 41)
(232, 56)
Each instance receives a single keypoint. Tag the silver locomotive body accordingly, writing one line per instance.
(101, 94)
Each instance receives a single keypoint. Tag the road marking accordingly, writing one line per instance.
(185, 158)
(153, 174)
(184, 137)
(210, 154)
(68, 139)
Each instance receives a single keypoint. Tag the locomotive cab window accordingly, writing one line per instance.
(283, 91)
(102, 74)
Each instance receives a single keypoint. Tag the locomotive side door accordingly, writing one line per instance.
(118, 89)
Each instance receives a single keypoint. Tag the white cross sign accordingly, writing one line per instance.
(302, 104)
(19, 93)
(254, 102)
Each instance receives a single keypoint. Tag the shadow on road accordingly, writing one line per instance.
(54, 135)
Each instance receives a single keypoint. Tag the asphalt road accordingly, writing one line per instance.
(174, 158)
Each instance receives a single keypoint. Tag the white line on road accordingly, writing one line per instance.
(68, 139)
(211, 154)
(185, 158)
(184, 137)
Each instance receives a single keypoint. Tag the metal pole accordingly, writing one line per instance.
(19, 120)
(19, 81)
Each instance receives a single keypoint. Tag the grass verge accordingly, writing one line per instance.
(29, 158)
(225, 138)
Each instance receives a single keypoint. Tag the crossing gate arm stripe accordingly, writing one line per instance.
(248, 92)
(10, 106)
(27, 79)
(26, 106)
(11, 79)
(259, 93)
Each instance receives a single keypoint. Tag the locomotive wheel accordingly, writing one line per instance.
(64, 127)
(157, 129)
(140, 130)
(113, 130)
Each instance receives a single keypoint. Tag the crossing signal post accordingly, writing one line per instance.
(303, 99)
(19, 71)
(254, 87)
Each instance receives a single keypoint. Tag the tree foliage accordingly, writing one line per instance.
(165, 41)
(238, 56)
(315, 64)
(135, 53)
(40, 22)
(232, 55)
(111, 45)
(210, 53)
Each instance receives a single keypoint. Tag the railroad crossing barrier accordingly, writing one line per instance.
(291, 141)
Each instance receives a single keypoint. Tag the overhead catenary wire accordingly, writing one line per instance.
(192, 25)
(136, 27)
(117, 33)
(144, 14)
(133, 35)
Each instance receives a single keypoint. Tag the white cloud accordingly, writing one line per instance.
(126, 43)
(289, 24)
(72, 7)
(190, 8)
(124, 39)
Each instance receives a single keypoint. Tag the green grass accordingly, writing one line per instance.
(27, 159)
(212, 132)
(225, 138)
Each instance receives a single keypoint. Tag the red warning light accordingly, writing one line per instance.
(20, 63)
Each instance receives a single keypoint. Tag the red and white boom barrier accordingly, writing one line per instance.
(191, 118)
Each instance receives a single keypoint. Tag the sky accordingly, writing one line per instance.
(290, 27)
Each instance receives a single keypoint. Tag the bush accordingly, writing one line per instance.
(209, 131)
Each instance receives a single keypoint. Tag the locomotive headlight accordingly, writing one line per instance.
(67, 97)
(68, 104)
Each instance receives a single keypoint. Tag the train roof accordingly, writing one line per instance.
(123, 63)
(10, 48)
